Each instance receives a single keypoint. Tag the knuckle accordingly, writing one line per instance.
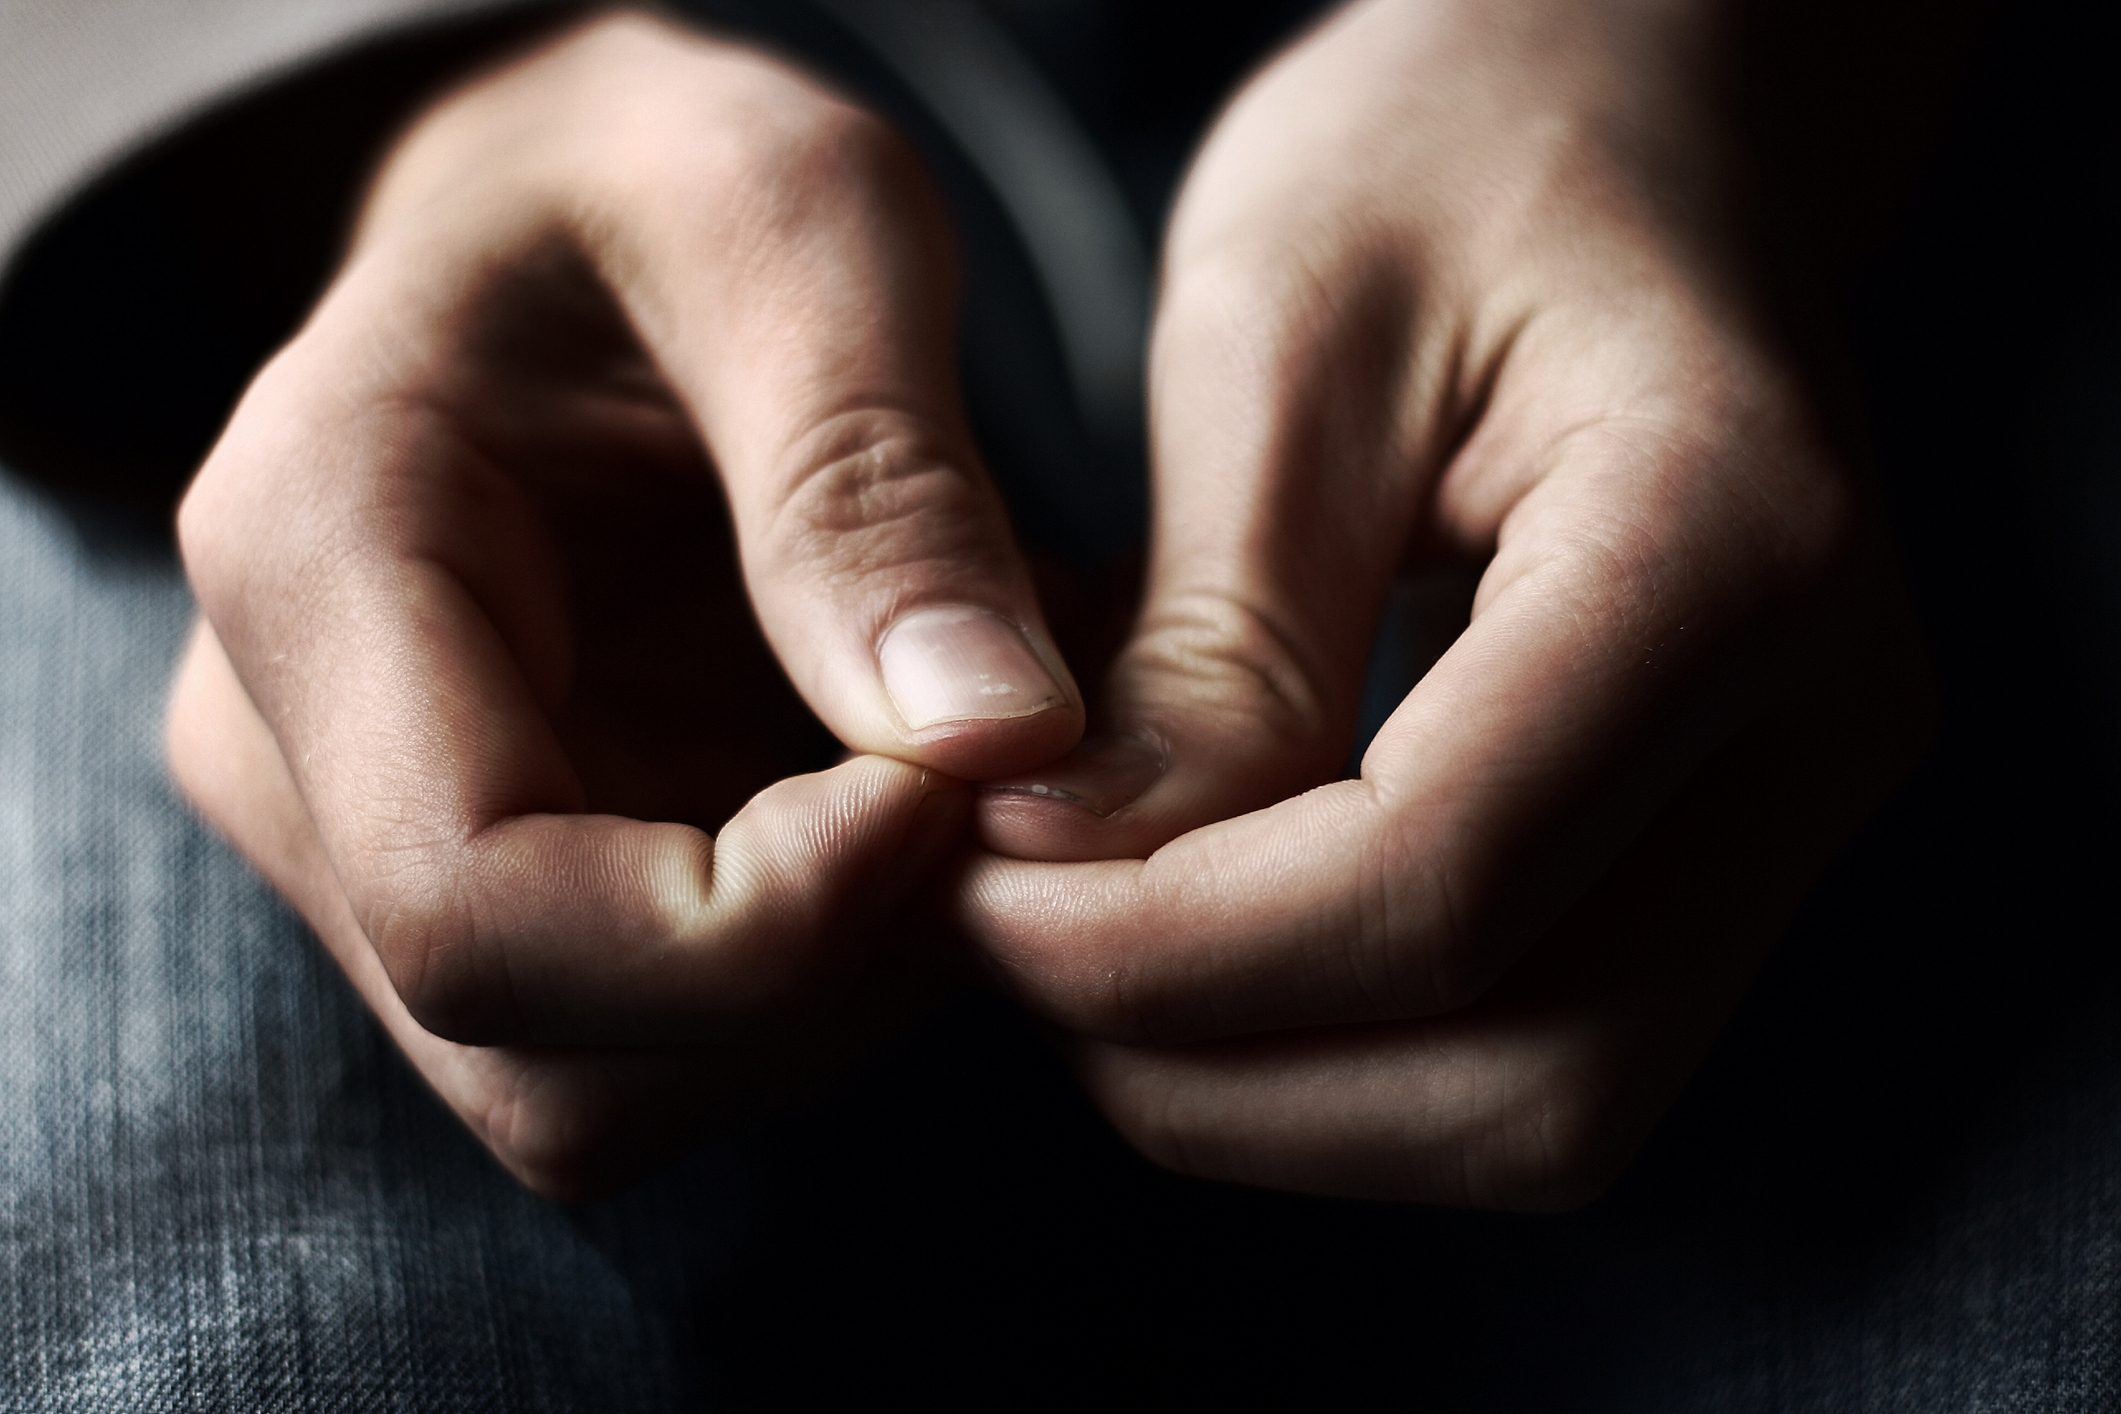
(428, 940)
(622, 33)
(1429, 937)
(198, 526)
(1562, 1144)
(872, 491)
(251, 504)
(828, 144)
(1252, 305)
(1298, 349)
(1165, 1120)
(551, 1132)
(1623, 542)
(1241, 660)
(675, 117)
(791, 153)
(1743, 494)
(210, 507)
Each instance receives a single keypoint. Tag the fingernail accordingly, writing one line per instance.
(1101, 776)
(961, 664)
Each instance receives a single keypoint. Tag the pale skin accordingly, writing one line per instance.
(1507, 325)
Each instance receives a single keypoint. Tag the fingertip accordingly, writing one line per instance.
(889, 819)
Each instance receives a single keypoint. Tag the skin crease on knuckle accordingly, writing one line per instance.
(1239, 665)
(870, 492)
(1416, 949)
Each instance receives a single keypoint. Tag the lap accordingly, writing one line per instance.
(219, 1189)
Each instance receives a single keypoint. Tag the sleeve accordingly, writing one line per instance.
(174, 179)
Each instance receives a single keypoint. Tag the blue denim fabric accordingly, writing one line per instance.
(219, 1188)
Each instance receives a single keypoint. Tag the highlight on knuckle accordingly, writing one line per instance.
(214, 508)
(200, 530)
(669, 116)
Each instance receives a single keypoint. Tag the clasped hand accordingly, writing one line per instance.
(620, 480)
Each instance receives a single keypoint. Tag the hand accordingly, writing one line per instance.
(1455, 283)
(476, 677)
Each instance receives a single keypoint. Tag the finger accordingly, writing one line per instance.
(1537, 1098)
(797, 286)
(568, 1123)
(1286, 474)
(1609, 653)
